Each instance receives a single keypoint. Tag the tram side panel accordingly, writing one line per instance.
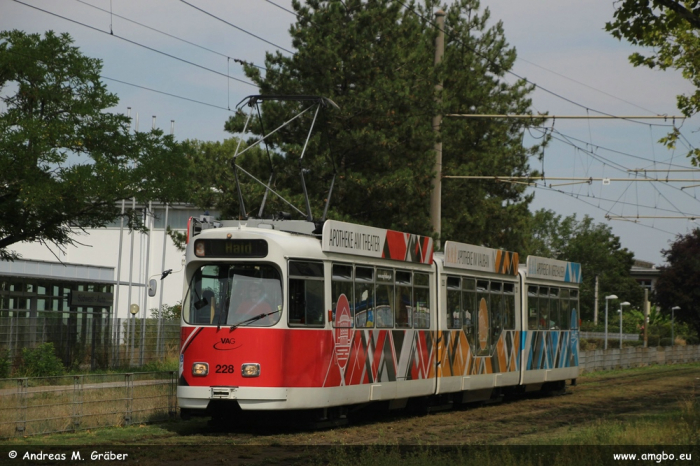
(479, 319)
(382, 319)
(550, 303)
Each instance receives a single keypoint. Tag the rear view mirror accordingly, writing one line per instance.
(152, 287)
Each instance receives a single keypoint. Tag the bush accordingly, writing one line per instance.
(40, 362)
(589, 344)
(5, 364)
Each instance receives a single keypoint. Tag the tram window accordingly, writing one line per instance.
(342, 272)
(404, 305)
(532, 307)
(482, 321)
(543, 322)
(384, 309)
(225, 294)
(454, 307)
(306, 301)
(496, 311)
(573, 302)
(341, 285)
(421, 300)
(255, 291)
(469, 308)
(305, 269)
(508, 306)
(554, 314)
(364, 297)
(205, 294)
(565, 311)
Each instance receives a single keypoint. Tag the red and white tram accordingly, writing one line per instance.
(278, 316)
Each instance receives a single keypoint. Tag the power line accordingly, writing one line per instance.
(169, 35)
(477, 53)
(167, 93)
(282, 8)
(586, 85)
(614, 151)
(624, 169)
(129, 84)
(544, 116)
(135, 43)
(236, 27)
(576, 196)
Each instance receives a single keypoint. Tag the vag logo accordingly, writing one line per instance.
(226, 344)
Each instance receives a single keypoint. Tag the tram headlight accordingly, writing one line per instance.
(250, 370)
(199, 250)
(200, 369)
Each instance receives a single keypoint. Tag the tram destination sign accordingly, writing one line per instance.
(552, 269)
(360, 240)
(471, 257)
(224, 248)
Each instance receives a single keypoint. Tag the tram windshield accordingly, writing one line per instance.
(234, 295)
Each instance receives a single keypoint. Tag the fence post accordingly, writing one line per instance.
(129, 389)
(159, 323)
(77, 401)
(21, 426)
(172, 398)
(9, 339)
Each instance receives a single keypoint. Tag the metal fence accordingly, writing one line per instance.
(89, 340)
(40, 405)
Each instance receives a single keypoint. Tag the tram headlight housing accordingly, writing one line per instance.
(250, 369)
(200, 369)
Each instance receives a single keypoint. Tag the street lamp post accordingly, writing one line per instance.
(607, 298)
(620, 311)
(673, 339)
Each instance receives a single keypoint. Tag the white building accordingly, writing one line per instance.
(93, 264)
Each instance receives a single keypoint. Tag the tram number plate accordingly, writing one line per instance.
(224, 369)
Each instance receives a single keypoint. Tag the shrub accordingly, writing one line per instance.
(40, 362)
(5, 364)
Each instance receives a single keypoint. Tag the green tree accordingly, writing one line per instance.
(375, 59)
(212, 184)
(669, 28)
(678, 280)
(64, 161)
(595, 247)
(167, 312)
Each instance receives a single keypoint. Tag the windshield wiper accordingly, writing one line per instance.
(218, 321)
(255, 318)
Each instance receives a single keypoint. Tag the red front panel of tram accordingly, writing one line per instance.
(287, 358)
(306, 358)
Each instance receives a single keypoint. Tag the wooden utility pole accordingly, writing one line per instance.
(436, 193)
(595, 304)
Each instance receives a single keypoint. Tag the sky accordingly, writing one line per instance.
(562, 47)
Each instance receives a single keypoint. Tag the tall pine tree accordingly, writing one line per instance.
(375, 59)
